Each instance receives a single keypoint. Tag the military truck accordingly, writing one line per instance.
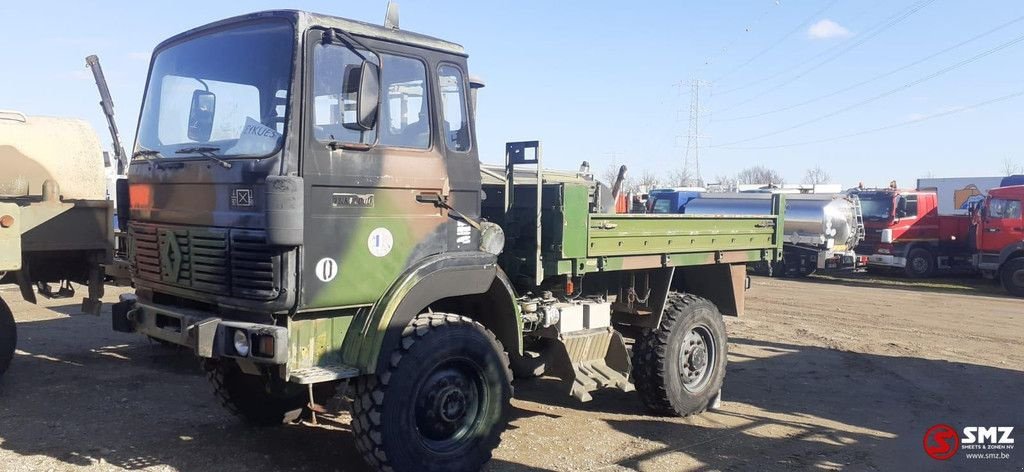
(308, 213)
(54, 214)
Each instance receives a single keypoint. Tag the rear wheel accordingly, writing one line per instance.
(678, 368)
(920, 263)
(442, 402)
(8, 336)
(254, 398)
(1012, 276)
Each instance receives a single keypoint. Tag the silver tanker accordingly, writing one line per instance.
(820, 230)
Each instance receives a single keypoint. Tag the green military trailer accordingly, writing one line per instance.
(308, 213)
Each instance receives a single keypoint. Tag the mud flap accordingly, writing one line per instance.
(588, 360)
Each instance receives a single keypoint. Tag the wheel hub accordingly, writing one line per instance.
(697, 358)
(452, 404)
(447, 405)
(1018, 278)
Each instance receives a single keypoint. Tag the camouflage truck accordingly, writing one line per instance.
(55, 219)
(308, 213)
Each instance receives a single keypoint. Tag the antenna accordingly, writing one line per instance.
(391, 18)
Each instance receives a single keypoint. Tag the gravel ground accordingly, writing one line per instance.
(825, 373)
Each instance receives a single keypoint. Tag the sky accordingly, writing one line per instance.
(869, 90)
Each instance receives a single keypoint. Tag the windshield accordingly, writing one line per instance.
(876, 207)
(662, 204)
(223, 93)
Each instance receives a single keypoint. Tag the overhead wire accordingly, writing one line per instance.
(889, 23)
(778, 41)
(880, 76)
(883, 128)
(887, 93)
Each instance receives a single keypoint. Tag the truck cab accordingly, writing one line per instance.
(1000, 238)
(904, 231)
(671, 200)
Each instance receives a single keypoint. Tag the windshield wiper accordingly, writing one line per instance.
(205, 151)
(147, 153)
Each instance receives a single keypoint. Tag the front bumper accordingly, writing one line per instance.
(209, 336)
(887, 260)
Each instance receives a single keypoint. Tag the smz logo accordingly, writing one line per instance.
(241, 197)
(942, 441)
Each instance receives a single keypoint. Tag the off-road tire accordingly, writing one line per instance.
(533, 363)
(8, 336)
(386, 418)
(920, 263)
(1006, 277)
(656, 358)
(249, 396)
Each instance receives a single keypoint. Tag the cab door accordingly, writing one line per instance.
(368, 218)
(1002, 224)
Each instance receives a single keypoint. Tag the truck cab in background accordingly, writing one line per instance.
(671, 200)
(905, 231)
(1000, 238)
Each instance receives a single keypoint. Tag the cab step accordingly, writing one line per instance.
(324, 373)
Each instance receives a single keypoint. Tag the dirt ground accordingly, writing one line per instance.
(825, 373)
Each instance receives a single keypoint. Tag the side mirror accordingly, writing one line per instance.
(200, 116)
(368, 97)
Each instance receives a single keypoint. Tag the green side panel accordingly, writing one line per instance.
(618, 235)
(318, 341)
(575, 208)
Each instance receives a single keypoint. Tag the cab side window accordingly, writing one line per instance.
(911, 206)
(405, 107)
(453, 107)
(336, 71)
(1001, 208)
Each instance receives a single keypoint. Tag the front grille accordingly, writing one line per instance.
(219, 261)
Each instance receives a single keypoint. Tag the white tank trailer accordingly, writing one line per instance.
(820, 230)
(55, 218)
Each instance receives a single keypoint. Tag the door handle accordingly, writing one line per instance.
(992, 230)
(429, 197)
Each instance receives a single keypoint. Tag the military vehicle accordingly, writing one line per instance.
(54, 214)
(308, 213)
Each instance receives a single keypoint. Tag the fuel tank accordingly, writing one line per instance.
(819, 220)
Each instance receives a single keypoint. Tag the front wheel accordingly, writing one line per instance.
(254, 398)
(1012, 276)
(442, 402)
(920, 263)
(8, 336)
(679, 368)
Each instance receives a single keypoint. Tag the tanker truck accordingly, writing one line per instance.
(54, 215)
(820, 232)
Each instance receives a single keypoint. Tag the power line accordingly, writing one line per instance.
(778, 42)
(746, 29)
(887, 93)
(889, 23)
(880, 76)
(884, 128)
(784, 70)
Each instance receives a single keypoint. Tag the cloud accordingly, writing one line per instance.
(827, 29)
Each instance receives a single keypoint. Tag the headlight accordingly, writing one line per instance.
(241, 342)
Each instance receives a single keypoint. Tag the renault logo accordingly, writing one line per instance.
(170, 256)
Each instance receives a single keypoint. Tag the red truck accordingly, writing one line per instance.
(904, 230)
(1000, 238)
(909, 230)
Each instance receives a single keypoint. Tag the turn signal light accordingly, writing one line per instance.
(6, 221)
(265, 346)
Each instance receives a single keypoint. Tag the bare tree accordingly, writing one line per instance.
(681, 177)
(759, 175)
(1010, 167)
(816, 175)
(725, 183)
(647, 181)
